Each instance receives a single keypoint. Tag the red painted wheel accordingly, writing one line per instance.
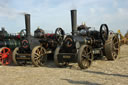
(5, 56)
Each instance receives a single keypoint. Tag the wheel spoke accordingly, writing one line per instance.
(115, 48)
(86, 57)
(3, 51)
(114, 38)
(43, 59)
(114, 54)
(89, 53)
(89, 58)
(37, 51)
(85, 62)
(116, 43)
(8, 50)
(84, 53)
(38, 61)
(36, 54)
(36, 57)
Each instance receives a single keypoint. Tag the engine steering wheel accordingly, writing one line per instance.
(22, 33)
(59, 34)
(104, 32)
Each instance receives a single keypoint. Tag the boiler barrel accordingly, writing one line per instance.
(10, 43)
(8, 36)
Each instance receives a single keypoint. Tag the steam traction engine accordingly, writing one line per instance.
(35, 48)
(7, 43)
(48, 44)
(22, 54)
(85, 44)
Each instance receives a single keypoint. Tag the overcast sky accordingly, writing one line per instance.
(50, 14)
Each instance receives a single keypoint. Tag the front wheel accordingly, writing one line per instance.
(85, 57)
(15, 56)
(59, 64)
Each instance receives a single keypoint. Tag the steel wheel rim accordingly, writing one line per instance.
(86, 57)
(59, 64)
(17, 61)
(104, 31)
(115, 45)
(39, 56)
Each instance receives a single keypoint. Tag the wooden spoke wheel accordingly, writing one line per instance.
(39, 56)
(59, 64)
(5, 56)
(112, 47)
(15, 56)
(85, 57)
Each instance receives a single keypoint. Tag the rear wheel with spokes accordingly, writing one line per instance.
(39, 56)
(112, 47)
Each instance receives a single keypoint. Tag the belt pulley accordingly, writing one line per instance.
(5, 56)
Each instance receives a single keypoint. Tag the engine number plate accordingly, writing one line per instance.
(66, 56)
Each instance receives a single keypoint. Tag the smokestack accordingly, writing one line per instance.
(74, 21)
(27, 24)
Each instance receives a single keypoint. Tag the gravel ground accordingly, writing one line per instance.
(101, 72)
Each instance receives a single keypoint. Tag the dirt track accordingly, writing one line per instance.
(100, 73)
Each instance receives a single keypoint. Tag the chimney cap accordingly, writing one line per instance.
(27, 14)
